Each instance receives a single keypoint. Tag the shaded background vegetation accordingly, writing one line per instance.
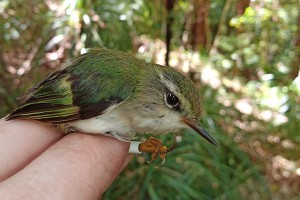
(244, 56)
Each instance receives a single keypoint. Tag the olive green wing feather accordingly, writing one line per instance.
(94, 82)
(49, 101)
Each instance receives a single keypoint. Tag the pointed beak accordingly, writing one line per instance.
(196, 127)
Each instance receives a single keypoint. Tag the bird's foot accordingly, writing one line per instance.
(155, 146)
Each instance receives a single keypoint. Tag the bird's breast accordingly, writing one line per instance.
(126, 122)
(113, 121)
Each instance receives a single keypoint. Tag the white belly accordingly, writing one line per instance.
(126, 123)
(108, 122)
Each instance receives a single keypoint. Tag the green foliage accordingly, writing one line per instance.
(264, 40)
(250, 86)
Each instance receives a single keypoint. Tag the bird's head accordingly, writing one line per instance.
(173, 100)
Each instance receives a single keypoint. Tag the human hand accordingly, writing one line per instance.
(37, 162)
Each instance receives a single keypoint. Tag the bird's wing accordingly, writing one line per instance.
(94, 82)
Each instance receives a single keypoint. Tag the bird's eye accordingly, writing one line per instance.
(172, 100)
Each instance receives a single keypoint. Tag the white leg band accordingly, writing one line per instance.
(134, 147)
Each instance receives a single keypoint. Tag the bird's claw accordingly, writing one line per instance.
(155, 146)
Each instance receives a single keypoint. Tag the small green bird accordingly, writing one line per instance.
(112, 93)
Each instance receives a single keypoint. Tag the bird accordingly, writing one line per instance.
(113, 93)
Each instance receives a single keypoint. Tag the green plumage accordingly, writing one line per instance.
(111, 92)
(102, 78)
(92, 83)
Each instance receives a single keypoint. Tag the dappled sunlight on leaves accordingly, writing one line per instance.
(247, 68)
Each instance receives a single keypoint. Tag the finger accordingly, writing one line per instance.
(79, 166)
(127, 161)
(21, 141)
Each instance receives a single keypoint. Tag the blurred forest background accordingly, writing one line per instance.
(244, 56)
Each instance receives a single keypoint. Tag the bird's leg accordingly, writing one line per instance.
(64, 129)
(155, 146)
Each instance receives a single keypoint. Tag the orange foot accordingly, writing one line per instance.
(155, 146)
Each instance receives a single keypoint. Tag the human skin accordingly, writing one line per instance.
(37, 162)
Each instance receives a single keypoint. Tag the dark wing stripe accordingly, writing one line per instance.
(61, 120)
(90, 111)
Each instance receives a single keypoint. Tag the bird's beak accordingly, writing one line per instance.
(196, 127)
